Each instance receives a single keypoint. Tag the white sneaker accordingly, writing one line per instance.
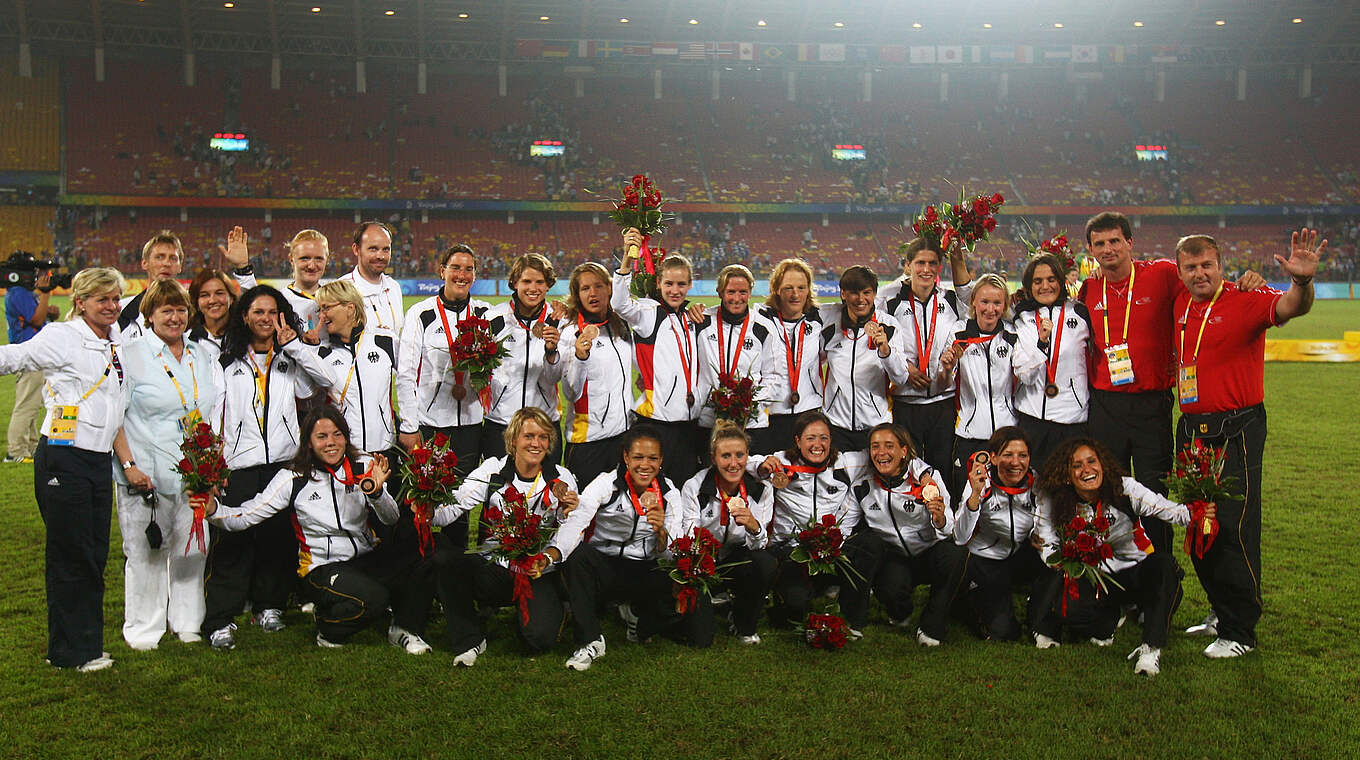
(270, 620)
(413, 644)
(721, 598)
(469, 658)
(752, 639)
(1206, 627)
(325, 643)
(140, 647)
(1044, 642)
(224, 639)
(1102, 642)
(309, 608)
(630, 622)
(925, 639)
(189, 637)
(1149, 660)
(853, 634)
(587, 655)
(1223, 649)
(97, 664)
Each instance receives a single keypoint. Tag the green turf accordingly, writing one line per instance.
(279, 696)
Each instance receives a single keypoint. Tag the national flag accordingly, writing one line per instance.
(637, 48)
(722, 51)
(1084, 54)
(528, 48)
(1114, 53)
(892, 54)
(975, 54)
(556, 49)
(1001, 54)
(859, 53)
(665, 48)
(1024, 54)
(746, 51)
(1058, 54)
(831, 53)
(772, 53)
(585, 48)
(922, 54)
(693, 51)
(949, 54)
(807, 52)
(1165, 54)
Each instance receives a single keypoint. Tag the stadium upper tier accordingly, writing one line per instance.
(1049, 142)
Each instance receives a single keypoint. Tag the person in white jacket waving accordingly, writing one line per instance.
(1082, 481)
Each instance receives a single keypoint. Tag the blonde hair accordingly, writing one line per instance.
(309, 234)
(164, 293)
(164, 236)
(727, 430)
(528, 414)
(90, 282)
(734, 270)
(574, 299)
(676, 261)
(782, 270)
(343, 291)
(992, 280)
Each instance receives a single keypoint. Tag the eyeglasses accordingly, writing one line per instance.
(327, 306)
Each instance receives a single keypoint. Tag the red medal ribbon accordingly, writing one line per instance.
(726, 375)
(723, 515)
(633, 494)
(349, 478)
(459, 377)
(1052, 363)
(685, 347)
(913, 489)
(996, 485)
(795, 363)
(923, 354)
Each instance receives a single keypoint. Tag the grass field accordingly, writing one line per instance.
(279, 696)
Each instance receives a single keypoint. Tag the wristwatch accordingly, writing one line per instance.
(128, 465)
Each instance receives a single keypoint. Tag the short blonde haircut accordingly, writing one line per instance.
(991, 280)
(93, 281)
(734, 270)
(528, 414)
(782, 270)
(306, 235)
(164, 293)
(343, 291)
(164, 236)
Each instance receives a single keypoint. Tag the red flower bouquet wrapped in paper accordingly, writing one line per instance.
(693, 566)
(825, 630)
(475, 354)
(430, 479)
(734, 399)
(203, 470)
(1196, 481)
(640, 207)
(1085, 544)
(517, 534)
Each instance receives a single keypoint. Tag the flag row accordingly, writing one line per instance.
(842, 53)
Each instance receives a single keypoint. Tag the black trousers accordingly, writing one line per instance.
(493, 443)
(779, 435)
(587, 460)
(992, 583)
(749, 584)
(932, 430)
(795, 588)
(893, 576)
(1136, 427)
(258, 564)
(353, 594)
(845, 439)
(593, 579)
(468, 580)
(464, 440)
(1153, 584)
(1045, 436)
(1231, 570)
(958, 472)
(681, 445)
(74, 491)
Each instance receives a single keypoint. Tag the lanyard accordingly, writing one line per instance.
(448, 334)
(633, 495)
(923, 354)
(723, 515)
(795, 362)
(182, 401)
(1052, 363)
(685, 347)
(349, 478)
(261, 382)
(869, 340)
(1128, 308)
(723, 372)
(1202, 324)
(912, 491)
(392, 315)
(528, 326)
(995, 484)
(350, 375)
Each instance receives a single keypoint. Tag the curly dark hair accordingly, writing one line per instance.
(1055, 479)
(236, 340)
(305, 461)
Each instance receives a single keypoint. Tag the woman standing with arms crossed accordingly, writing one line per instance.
(86, 399)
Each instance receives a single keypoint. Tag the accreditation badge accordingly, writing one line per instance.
(1187, 385)
(190, 421)
(63, 430)
(1119, 363)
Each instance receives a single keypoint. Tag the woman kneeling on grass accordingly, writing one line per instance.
(352, 578)
(1082, 487)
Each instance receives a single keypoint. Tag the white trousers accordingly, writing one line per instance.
(162, 588)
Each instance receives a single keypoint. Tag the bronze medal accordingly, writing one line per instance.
(590, 333)
(368, 486)
(459, 392)
(537, 330)
(689, 398)
(982, 458)
(793, 398)
(649, 500)
(1051, 390)
(559, 489)
(780, 479)
(734, 502)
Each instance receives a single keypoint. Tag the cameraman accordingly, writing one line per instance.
(27, 315)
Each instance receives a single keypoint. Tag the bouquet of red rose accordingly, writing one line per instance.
(693, 567)
(734, 399)
(826, 630)
(429, 479)
(475, 355)
(203, 469)
(517, 534)
(1085, 544)
(819, 549)
(1056, 245)
(963, 223)
(640, 207)
(1195, 481)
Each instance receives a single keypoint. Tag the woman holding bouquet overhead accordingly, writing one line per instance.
(262, 371)
(735, 508)
(352, 577)
(172, 389)
(1089, 520)
(527, 478)
(598, 376)
(737, 360)
(665, 341)
(610, 545)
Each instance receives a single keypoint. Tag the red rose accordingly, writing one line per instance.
(440, 440)
(1085, 542)
(990, 224)
(685, 564)
(205, 469)
(1100, 524)
(185, 465)
(492, 514)
(1069, 550)
(420, 456)
(997, 199)
(449, 460)
(1077, 525)
(203, 440)
(449, 479)
(1106, 551)
(828, 520)
(683, 545)
(425, 483)
(707, 566)
(1090, 560)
